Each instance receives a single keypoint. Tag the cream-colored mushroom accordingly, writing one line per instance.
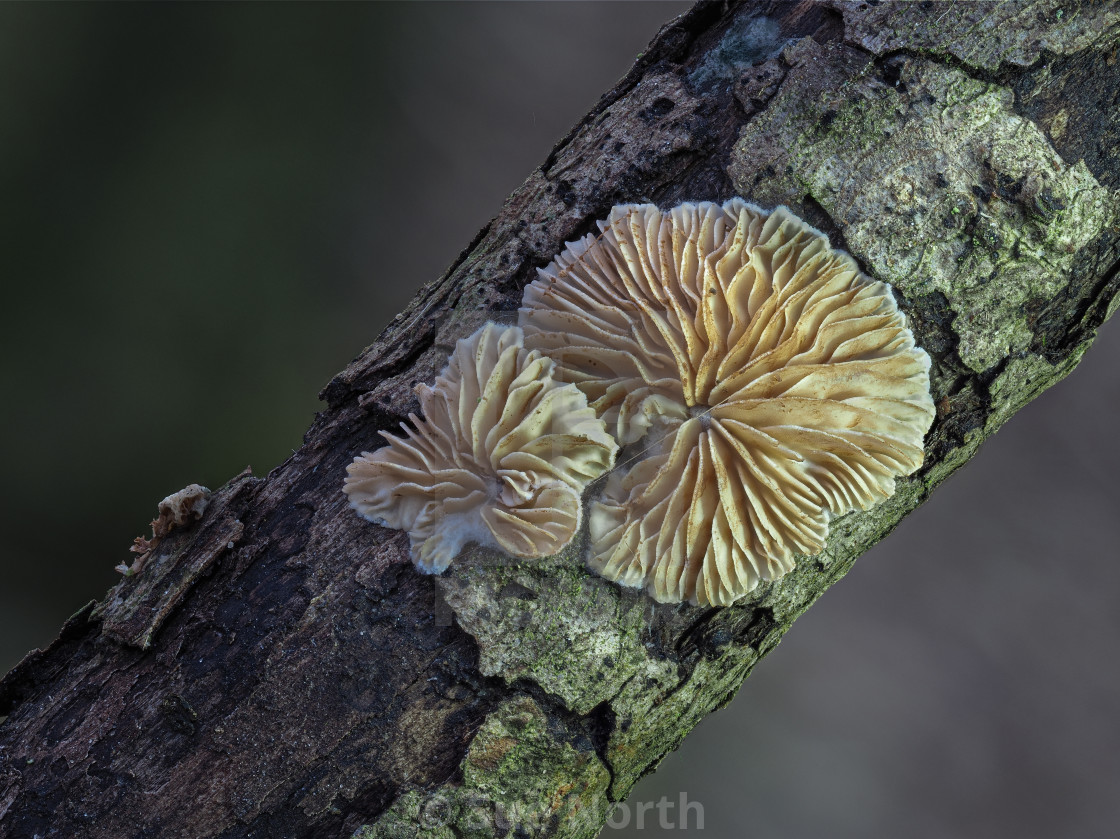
(500, 458)
(764, 383)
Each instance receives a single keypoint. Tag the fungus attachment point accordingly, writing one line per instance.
(764, 382)
(500, 458)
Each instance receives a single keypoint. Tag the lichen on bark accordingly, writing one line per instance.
(937, 185)
(550, 622)
(984, 34)
(517, 772)
(300, 684)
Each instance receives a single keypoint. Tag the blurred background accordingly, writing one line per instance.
(203, 217)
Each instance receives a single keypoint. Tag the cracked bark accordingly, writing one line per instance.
(279, 669)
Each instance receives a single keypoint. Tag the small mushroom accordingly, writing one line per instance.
(761, 383)
(500, 457)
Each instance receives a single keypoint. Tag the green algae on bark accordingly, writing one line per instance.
(937, 185)
(517, 774)
(984, 34)
(575, 635)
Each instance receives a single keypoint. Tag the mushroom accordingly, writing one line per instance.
(761, 383)
(500, 457)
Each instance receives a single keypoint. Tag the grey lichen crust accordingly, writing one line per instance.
(981, 33)
(939, 187)
(536, 620)
(517, 773)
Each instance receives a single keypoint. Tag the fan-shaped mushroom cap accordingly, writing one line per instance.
(765, 381)
(500, 458)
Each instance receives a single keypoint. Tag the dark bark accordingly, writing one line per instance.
(280, 669)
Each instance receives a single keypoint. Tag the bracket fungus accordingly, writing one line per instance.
(760, 383)
(500, 457)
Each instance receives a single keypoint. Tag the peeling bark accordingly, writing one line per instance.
(280, 669)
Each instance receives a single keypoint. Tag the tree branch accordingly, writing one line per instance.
(281, 669)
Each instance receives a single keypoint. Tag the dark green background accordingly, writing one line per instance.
(207, 210)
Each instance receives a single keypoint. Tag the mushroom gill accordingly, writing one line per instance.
(760, 382)
(500, 457)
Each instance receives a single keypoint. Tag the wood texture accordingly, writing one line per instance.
(280, 669)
